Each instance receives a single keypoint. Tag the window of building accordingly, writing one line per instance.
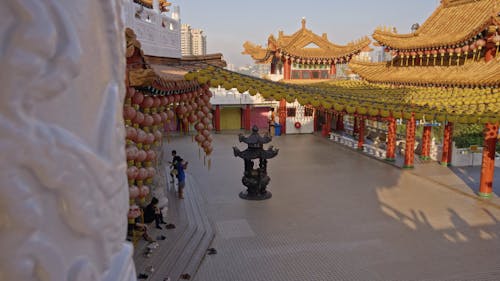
(315, 74)
(308, 112)
(295, 74)
(306, 74)
(290, 111)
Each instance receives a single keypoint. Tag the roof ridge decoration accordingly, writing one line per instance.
(293, 46)
(452, 24)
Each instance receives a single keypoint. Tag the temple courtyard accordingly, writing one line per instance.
(336, 214)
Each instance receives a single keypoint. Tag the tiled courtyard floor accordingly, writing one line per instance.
(338, 215)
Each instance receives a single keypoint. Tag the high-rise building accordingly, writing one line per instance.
(186, 40)
(193, 41)
(199, 42)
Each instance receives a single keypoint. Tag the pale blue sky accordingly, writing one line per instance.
(229, 23)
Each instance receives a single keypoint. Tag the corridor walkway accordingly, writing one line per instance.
(338, 215)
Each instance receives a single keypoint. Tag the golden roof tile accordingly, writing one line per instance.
(452, 23)
(470, 74)
(304, 44)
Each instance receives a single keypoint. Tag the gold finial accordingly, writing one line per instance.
(303, 22)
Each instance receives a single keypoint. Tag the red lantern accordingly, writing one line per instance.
(163, 101)
(130, 92)
(206, 121)
(132, 172)
(210, 127)
(151, 155)
(480, 43)
(139, 118)
(147, 102)
(144, 191)
(150, 138)
(163, 116)
(133, 192)
(138, 98)
(158, 135)
(131, 153)
(205, 144)
(156, 118)
(141, 155)
(199, 126)
(177, 98)
(148, 120)
(205, 133)
(171, 99)
(143, 174)
(141, 136)
(465, 48)
(200, 114)
(131, 133)
(156, 102)
(199, 138)
(205, 110)
(192, 118)
(170, 114)
(129, 112)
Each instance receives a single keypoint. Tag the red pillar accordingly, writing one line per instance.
(282, 114)
(426, 143)
(488, 165)
(247, 118)
(333, 69)
(286, 69)
(315, 122)
(390, 154)
(355, 128)
(340, 122)
(447, 142)
(273, 68)
(410, 143)
(361, 135)
(217, 118)
(329, 116)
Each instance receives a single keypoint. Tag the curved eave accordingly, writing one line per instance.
(476, 74)
(258, 54)
(331, 52)
(450, 24)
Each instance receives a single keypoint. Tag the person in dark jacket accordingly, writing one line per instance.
(153, 213)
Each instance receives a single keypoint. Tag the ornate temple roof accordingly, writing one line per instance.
(303, 44)
(453, 23)
(471, 74)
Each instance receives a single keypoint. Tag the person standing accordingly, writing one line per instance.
(180, 166)
(173, 163)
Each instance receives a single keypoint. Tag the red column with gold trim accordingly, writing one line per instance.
(447, 142)
(390, 154)
(488, 165)
(410, 143)
(287, 69)
(426, 143)
(333, 69)
(282, 114)
(361, 133)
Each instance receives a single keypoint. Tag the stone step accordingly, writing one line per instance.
(185, 246)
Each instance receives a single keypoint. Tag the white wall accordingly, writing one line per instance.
(156, 39)
(307, 123)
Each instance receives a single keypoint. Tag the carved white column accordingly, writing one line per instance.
(63, 186)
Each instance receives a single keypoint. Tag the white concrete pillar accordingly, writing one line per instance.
(63, 185)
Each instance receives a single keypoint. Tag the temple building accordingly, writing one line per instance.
(303, 55)
(455, 49)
